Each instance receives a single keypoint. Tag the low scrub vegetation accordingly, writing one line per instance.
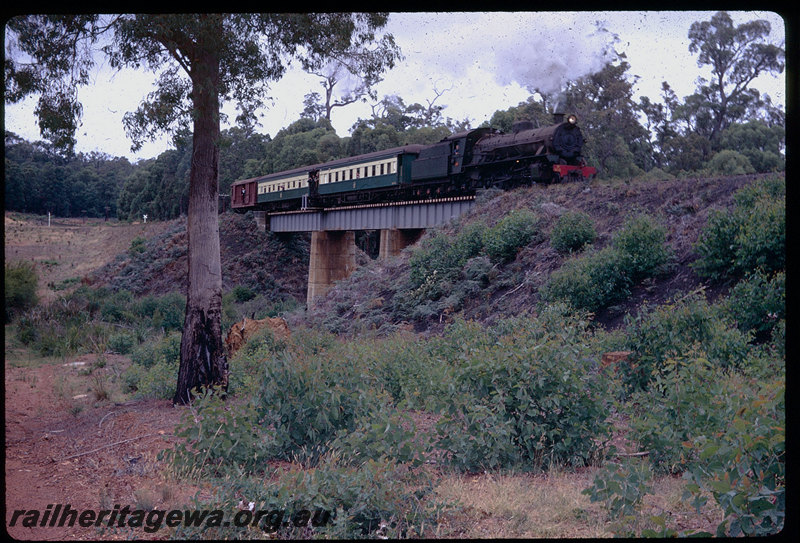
(572, 231)
(356, 418)
(21, 281)
(601, 278)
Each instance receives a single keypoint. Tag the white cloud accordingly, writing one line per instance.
(486, 61)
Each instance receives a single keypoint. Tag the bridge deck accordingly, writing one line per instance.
(399, 215)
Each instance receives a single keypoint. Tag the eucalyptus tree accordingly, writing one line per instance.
(354, 71)
(202, 60)
(737, 55)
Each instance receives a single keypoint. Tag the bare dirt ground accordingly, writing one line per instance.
(64, 446)
(69, 249)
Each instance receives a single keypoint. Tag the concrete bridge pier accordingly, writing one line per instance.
(261, 220)
(333, 257)
(394, 240)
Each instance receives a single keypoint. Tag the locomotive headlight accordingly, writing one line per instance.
(572, 119)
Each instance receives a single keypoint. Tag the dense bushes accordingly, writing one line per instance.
(602, 278)
(154, 367)
(21, 281)
(376, 499)
(524, 393)
(98, 320)
(527, 398)
(589, 282)
(656, 334)
(446, 270)
(752, 235)
(514, 231)
(307, 400)
(758, 302)
(572, 231)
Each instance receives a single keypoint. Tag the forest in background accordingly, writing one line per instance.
(726, 127)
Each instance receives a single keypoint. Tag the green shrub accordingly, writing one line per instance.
(21, 281)
(27, 329)
(216, 438)
(115, 307)
(758, 302)
(572, 231)
(658, 333)
(158, 382)
(744, 464)
(715, 245)
(596, 280)
(307, 399)
(242, 293)
(752, 235)
(442, 257)
(761, 238)
(138, 246)
(589, 282)
(408, 370)
(641, 247)
(510, 234)
(247, 365)
(527, 399)
(621, 487)
(121, 343)
(770, 188)
(383, 434)
(153, 372)
(377, 499)
(164, 349)
(691, 396)
(729, 162)
(165, 312)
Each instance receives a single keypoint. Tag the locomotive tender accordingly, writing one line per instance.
(456, 166)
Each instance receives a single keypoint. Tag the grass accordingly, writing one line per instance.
(522, 506)
(68, 249)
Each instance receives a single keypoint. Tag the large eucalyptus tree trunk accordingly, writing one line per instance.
(203, 359)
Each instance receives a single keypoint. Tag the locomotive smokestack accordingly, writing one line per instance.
(559, 109)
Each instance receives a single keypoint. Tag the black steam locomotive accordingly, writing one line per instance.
(456, 166)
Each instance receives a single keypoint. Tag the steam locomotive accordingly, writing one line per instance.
(456, 166)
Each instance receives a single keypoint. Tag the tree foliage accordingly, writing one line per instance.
(38, 180)
(736, 56)
(202, 60)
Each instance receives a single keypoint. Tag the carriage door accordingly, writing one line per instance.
(244, 194)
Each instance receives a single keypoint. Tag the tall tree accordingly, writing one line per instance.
(737, 55)
(603, 102)
(355, 71)
(202, 60)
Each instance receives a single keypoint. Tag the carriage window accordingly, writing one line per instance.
(381, 168)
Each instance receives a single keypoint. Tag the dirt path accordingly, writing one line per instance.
(65, 447)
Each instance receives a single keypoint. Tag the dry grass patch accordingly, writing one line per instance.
(667, 501)
(522, 506)
(551, 505)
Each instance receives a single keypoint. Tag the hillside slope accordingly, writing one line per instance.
(270, 264)
(372, 298)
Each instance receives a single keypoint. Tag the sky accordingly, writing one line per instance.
(479, 62)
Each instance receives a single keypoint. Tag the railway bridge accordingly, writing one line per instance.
(333, 232)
